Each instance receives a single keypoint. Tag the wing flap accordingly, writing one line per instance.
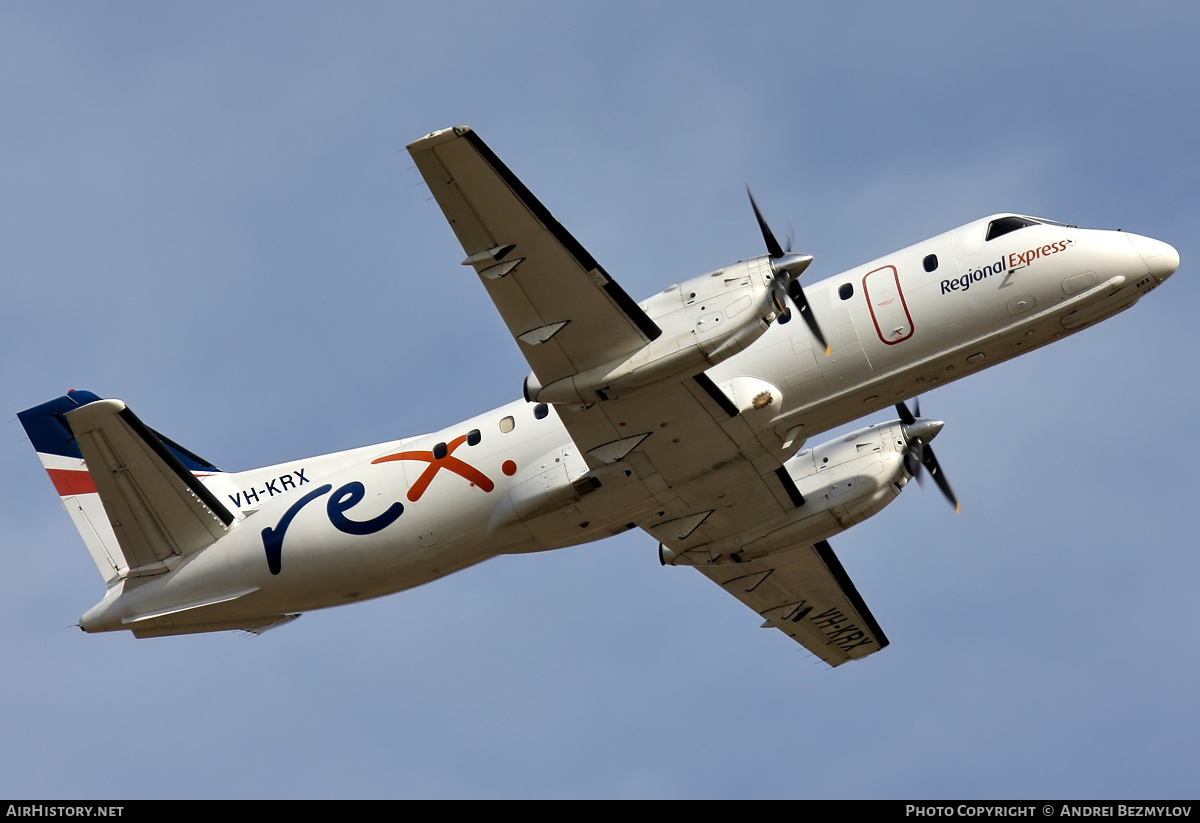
(566, 312)
(157, 507)
(806, 594)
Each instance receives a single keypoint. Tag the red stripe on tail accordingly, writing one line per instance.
(71, 481)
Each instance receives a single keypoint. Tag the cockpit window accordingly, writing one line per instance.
(1004, 225)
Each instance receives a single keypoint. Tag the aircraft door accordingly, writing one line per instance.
(889, 311)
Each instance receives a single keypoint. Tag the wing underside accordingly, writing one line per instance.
(807, 595)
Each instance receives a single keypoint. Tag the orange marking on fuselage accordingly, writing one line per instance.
(462, 469)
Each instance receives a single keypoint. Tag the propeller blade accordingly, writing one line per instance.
(780, 300)
(935, 471)
(912, 462)
(796, 292)
(793, 265)
(919, 454)
(773, 247)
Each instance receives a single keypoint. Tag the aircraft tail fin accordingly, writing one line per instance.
(133, 494)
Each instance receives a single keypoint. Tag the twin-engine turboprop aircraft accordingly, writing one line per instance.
(685, 415)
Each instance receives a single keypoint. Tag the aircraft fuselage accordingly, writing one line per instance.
(333, 529)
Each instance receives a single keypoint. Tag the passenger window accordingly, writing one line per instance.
(541, 410)
(1001, 227)
(473, 437)
(846, 291)
(440, 451)
(930, 262)
(507, 424)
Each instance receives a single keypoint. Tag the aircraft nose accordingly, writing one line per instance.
(1160, 257)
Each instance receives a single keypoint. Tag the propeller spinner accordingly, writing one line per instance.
(788, 266)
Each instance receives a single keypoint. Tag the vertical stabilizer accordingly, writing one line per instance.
(133, 495)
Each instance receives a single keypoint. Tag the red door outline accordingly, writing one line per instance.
(888, 305)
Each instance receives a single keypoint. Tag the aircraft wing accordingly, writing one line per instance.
(713, 472)
(564, 310)
(712, 479)
(807, 595)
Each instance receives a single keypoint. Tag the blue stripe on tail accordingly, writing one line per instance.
(49, 432)
(47, 427)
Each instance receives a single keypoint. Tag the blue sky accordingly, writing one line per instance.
(208, 212)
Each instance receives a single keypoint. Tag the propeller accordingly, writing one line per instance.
(788, 266)
(918, 431)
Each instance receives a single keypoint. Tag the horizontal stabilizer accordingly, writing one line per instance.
(169, 611)
(159, 511)
(251, 626)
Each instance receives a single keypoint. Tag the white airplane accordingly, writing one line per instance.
(685, 415)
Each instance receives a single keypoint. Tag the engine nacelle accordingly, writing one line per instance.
(843, 482)
(704, 321)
